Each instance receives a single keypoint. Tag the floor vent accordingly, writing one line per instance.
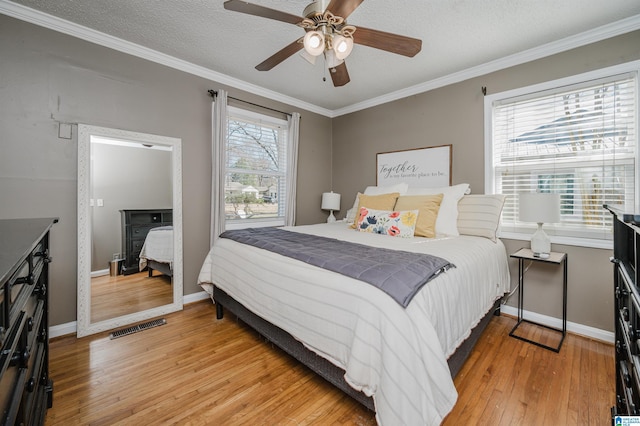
(136, 328)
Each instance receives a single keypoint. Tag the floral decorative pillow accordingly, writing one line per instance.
(394, 223)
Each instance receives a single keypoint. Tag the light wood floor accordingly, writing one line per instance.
(196, 370)
(112, 297)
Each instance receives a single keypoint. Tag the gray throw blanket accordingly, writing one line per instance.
(398, 273)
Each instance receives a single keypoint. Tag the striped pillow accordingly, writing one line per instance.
(479, 215)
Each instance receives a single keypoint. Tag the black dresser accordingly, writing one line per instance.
(135, 227)
(26, 391)
(626, 260)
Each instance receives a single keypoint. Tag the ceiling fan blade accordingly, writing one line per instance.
(393, 43)
(339, 75)
(265, 12)
(280, 56)
(343, 8)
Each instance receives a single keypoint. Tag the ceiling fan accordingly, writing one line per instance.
(328, 34)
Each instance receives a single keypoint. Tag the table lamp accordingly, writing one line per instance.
(540, 208)
(331, 201)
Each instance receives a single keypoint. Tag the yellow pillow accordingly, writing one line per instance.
(376, 202)
(428, 207)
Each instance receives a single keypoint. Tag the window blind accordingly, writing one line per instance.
(256, 165)
(579, 141)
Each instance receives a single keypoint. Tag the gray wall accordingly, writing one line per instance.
(454, 115)
(47, 77)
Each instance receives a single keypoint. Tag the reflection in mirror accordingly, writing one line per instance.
(129, 227)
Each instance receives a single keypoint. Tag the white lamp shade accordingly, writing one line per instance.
(539, 207)
(330, 201)
(314, 42)
(342, 46)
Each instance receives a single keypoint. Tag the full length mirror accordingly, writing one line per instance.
(129, 227)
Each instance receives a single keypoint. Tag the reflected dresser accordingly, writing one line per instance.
(136, 224)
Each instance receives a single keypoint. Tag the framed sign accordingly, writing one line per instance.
(420, 167)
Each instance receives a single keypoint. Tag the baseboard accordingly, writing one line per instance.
(63, 329)
(72, 327)
(195, 297)
(99, 273)
(572, 327)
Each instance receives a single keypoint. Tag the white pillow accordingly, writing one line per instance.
(447, 221)
(378, 190)
(353, 211)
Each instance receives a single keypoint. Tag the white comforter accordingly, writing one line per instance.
(158, 246)
(396, 355)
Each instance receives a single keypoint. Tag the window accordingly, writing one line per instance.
(256, 168)
(576, 137)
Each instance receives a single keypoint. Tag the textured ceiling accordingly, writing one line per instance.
(457, 35)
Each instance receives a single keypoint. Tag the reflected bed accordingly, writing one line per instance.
(157, 251)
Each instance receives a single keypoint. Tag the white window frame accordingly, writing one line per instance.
(490, 183)
(239, 113)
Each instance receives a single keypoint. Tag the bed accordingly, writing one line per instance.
(157, 251)
(398, 361)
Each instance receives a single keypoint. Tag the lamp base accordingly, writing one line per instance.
(331, 218)
(540, 243)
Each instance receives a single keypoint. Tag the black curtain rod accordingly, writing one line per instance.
(214, 93)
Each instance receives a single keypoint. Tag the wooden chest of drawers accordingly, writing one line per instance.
(26, 391)
(626, 259)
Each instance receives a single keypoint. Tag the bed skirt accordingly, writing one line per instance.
(322, 367)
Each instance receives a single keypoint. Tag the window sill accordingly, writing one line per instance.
(252, 223)
(567, 241)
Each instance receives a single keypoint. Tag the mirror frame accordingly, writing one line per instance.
(84, 325)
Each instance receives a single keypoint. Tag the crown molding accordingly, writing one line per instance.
(66, 27)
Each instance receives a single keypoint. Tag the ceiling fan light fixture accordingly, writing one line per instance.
(332, 59)
(326, 31)
(314, 42)
(342, 46)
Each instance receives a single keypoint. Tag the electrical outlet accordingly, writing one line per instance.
(100, 202)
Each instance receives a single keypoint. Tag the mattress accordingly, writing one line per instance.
(396, 355)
